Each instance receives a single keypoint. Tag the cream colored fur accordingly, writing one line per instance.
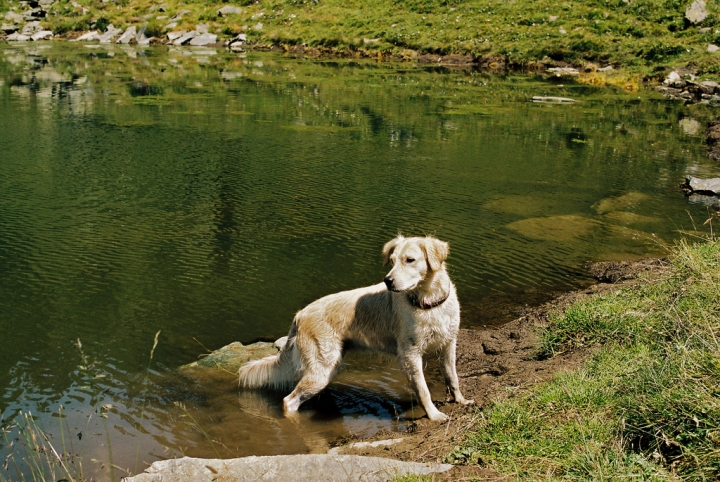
(380, 317)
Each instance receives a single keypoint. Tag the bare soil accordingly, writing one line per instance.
(496, 363)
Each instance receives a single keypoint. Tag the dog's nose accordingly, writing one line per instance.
(389, 280)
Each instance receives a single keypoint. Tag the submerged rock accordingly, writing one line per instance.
(618, 203)
(689, 126)
(231, 357)
(553, 100)
(555, 228)
(299, 468)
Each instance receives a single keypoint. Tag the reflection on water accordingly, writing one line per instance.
(211, 196)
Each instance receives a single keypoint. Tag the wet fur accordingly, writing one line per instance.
(379, 317)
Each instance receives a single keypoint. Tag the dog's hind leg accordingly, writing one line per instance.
(309, 385)
(449, 372)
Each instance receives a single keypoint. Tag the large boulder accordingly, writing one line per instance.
(298, 468)
(231, 357)
(695, 184)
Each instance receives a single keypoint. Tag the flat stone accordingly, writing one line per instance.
(18, 37)
(180, 14)
(109, 35)
(173, 36)
(9, 28)
(14, 17)
(564, 71)
(703, 185)
(127, 36)
(298, 468)
(42, 35)
(204, 39)
(31, 28)
(202, 28)
(258, 26)
(607, 68)
(231, 357)
(365, 445)
(617, 203)
(88, 37)
(553, 100)
(709, 87)
(712, 48)
(229, 10)
(185, 38)
(697, 12)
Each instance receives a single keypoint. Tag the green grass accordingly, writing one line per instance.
(647, 403)
(641, 35)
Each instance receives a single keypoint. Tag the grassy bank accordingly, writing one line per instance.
(641, 35)
(646, 404)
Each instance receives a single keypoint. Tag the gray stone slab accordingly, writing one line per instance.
(229, 10)
(697, 12)
(42, 35)
(185, 38)
(204, 39)
(109, 35)
(298, 468)
(18, 37)
(88, 37)
(127, 36)
(703, 185)
(9, 28)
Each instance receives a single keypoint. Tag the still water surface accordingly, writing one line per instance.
(210, 196)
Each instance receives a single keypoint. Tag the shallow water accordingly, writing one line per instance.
(210, 196)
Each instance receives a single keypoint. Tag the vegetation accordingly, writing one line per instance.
(638, 34)
(647, 403)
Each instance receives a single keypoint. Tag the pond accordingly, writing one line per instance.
(209, 196)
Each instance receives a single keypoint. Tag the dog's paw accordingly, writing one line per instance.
(438, 417)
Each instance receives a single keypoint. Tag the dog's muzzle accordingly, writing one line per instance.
(390, 283)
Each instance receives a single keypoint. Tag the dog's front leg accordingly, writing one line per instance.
(412, 365)
(447, 367)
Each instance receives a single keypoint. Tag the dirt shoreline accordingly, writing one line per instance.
(499, 363)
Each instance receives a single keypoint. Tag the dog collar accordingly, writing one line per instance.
(424, 305)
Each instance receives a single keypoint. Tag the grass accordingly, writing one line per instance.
(647, 403)
(640, 35)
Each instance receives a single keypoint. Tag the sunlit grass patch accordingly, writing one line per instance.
(647, 403)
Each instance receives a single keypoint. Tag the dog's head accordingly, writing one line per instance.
(413, 259)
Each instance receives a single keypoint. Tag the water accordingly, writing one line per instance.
(210, 196)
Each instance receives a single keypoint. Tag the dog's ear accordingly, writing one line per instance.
(389, 248)
(436, 252)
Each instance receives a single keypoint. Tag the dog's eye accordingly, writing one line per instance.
(410, 260)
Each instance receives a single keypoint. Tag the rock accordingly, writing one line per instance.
(171, 25)
(204, 39)
(712, 48)
(697, 12)
(712, 139)
(669, 91)
(109, 34)
(42, 35)
(231, 357)
(364, 445)
(716, 206)
(562, 228)
(618, 203)
(9, 28)
(298, 468)
(553, 100)
(185, 38)
(14, 17)
(46, 3)
(562, 31)
(258, 26)
(127, 36)
(689, 126)
(33, 14)
(18, 37)
(564, 71)
(696, 184)
(709, 87)
(180, 15)
(370, 40)
(202, 28)
(31, 28)
(552, 18)
(672, 77)
(229, 10)
(241, 38)
(173, 36)
(607, 68)
(88, 37)
(282, 341)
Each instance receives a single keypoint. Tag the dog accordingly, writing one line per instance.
(414, 312)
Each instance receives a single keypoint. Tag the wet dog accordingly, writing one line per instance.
(414, 312)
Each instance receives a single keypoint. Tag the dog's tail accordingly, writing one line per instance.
(278, 372)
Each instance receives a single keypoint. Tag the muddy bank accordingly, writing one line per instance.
(498, 363)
